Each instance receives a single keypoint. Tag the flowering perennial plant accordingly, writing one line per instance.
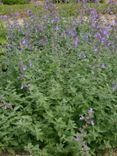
(58, 95)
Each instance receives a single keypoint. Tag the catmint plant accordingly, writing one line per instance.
(59, 90)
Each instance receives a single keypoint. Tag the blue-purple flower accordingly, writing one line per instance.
(21, 77)
(82, 117)
(90, 112)
(55, 20)
(87, 36)
(29, 13)
(105, 33)
(75, 41)
(103, 40)
(94, 14)
(56, 27)
(63, 34)
(23, 67)
(97, 1)
(30, 64)
(24, 43)
(97, 36)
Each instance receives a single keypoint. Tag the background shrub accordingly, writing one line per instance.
(77, 1)
(10, 2)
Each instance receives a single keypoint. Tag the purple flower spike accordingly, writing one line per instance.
(97, 1)
(90, 112)
(106, 33)
(20, 77)
(92, 123)
(57, 28)
(87, 36)
(82, 117)
(24, 42)
(103, 40)
(29, 13)
(24, 67)
(75, 41)
(30, 64)
(5, 17)
(110, 1)
(111, 45)
(17, 14)
(94, 14)
(97, 36)
(63, 34)
(55, 20)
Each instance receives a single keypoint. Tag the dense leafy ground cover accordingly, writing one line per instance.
(58, 85)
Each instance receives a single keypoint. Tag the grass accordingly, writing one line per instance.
(12, 9)
(73, 9)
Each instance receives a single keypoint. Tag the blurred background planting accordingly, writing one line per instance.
(11, 2)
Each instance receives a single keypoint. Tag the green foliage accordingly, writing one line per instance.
(2, 33)
(3, 41)
(11, 2)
